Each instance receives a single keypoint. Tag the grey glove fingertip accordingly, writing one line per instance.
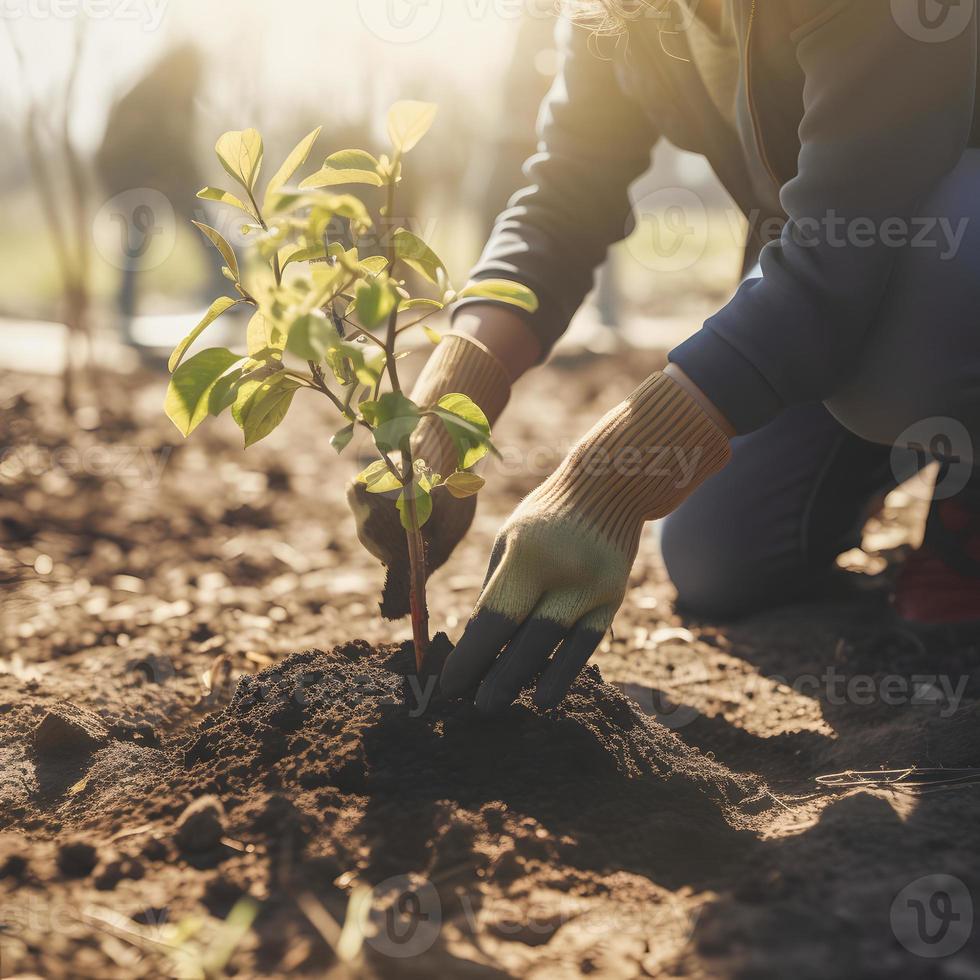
(485, 634)
(527, 653)
(574, 653)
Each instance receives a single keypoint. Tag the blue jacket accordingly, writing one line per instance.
(848, 111)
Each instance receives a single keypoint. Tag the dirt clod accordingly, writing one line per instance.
(13, 856)
(116, 871)
(201, 826)
(77, 859)
(67, 729)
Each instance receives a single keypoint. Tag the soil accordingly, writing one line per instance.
(203, 719)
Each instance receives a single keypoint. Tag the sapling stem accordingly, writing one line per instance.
(276, 271)
(416, 593)
(413, 533)
(321, 386)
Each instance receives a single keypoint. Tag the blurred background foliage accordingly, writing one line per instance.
(156, 81)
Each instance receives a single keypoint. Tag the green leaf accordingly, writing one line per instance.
(341, 440)
(187, 401)
(287, 199)
(262, 405)
(299, 253)
(219, 242)
(351, 160)
(348, 364)
(344, 362)
(338, 253)
(425, 475)
(373, 300)
(328, 177)
(240, 153)
(215, 310)
(408, 122)
(312, 336)
(415, 253)
(293, 162)
(225, 391)
(373, 265)
(393, 417)
(346, 167)
(327, 281)
(419, 303)
(377, 478)
(423, 505)
(502, 291)
(326, 206)
(369, 370)
(223, 197)
(462, 485)
(372, 472)
(257, 333)
(467, 426)
(267, 412)
(263, 335)
(433, 336)
(246, 389)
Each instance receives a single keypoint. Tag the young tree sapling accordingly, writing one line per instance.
(327, 314)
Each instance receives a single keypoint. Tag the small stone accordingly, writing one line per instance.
(69, 730)
(13, 855)
(201, 826)
(76, 859)
(220, 896)
(116, 871)
(156, 850)
(15, 866)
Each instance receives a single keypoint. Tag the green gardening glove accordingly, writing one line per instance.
(459, 364)
(560, 565)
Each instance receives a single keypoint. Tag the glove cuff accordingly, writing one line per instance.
(640, 461)
(459, 364)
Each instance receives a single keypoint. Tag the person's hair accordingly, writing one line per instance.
(606, 16)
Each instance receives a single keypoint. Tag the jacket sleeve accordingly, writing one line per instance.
(886, 116)
(593, 141)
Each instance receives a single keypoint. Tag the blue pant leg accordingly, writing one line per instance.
(767, 528)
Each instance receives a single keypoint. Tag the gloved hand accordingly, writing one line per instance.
(560, 565)
(459, 364)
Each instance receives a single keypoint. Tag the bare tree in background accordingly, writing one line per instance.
(58, 174)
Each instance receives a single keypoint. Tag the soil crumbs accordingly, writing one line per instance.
(182, 794)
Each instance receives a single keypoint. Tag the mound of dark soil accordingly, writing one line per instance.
(346, 766)
(329, 770)
(610, 787)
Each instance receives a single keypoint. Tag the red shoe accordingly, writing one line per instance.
(940, 583)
